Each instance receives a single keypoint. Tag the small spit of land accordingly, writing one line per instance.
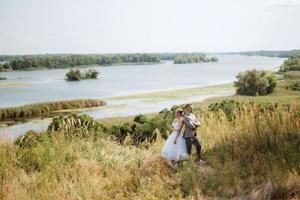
(45, 109)
(13, 84)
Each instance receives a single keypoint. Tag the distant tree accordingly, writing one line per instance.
(91, 74)
(73, 75)
(255, 82)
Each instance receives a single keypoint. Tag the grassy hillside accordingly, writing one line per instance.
(256, 154)
(253, 154)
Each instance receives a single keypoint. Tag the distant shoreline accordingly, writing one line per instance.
(85, 66)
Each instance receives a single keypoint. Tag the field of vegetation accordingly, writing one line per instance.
(251, 145)
(45, 109)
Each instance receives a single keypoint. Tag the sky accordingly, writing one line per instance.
(147, 26)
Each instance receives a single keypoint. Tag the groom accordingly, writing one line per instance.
(189, 134)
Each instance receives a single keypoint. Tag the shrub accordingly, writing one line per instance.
(91, 74)
(291, 64)
(142, 129)
(76, 75)
(30, 139)
(140, 119)
(73, 75)
(227, 106)
(255, 82)
(75, 125)
(293, 85)
(214, 59)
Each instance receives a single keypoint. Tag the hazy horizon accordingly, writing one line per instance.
(141, 26)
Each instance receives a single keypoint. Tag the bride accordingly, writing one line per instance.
(175, 147)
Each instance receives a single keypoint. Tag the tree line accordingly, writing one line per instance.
(281, 54)
(31, 62)
(55, 61)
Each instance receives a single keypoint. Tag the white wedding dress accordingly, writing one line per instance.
(176, 151)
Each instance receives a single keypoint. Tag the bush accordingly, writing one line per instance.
(91, 74)
(142, 129)
(255, 82)
(293, 85)
(214, 59)
(76, 125)
(76, 75)
(291, 64)
(227, 106)
(73, 75)
(140, 119)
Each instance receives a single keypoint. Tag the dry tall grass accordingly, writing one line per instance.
(256, 156)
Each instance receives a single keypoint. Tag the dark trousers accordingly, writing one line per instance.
(193, 141)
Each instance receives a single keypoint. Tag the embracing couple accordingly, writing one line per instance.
(179, 146)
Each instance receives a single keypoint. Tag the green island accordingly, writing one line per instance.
(181, 59)
(2, 78)
(77, 75)
(250, 144)
(46, 109)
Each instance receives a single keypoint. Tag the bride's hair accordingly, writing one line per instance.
(180, 111)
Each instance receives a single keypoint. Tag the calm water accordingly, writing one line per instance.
(49, 85)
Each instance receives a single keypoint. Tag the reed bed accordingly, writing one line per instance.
(41, 109)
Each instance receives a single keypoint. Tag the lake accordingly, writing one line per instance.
(49, 85)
